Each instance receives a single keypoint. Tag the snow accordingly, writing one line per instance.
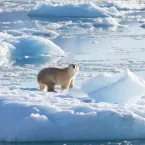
(123, 88)
(82, 9)
(30, 115)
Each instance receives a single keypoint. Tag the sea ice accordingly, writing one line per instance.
(28, 115)
(83, 9)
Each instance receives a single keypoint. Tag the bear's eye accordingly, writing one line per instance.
(73, 65)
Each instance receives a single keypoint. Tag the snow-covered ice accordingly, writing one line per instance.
(83, 9)
(30, 115)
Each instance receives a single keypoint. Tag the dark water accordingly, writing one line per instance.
(134, 142)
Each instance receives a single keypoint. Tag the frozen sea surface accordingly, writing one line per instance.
(106, 38)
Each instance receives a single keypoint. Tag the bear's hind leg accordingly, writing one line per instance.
(50, 87)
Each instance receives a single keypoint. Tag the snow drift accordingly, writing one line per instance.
(83, 9)
(123, 88)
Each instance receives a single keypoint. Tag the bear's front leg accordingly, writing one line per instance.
(65, 86)
(71, 84)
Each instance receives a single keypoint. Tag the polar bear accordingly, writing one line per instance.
(52, 76)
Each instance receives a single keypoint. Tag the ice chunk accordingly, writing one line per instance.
(106, 22)
(114, 89)
(68, 10)
(35, 46)
(28, 50)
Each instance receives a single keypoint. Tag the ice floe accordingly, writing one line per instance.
(29, 115)
(82, 9)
